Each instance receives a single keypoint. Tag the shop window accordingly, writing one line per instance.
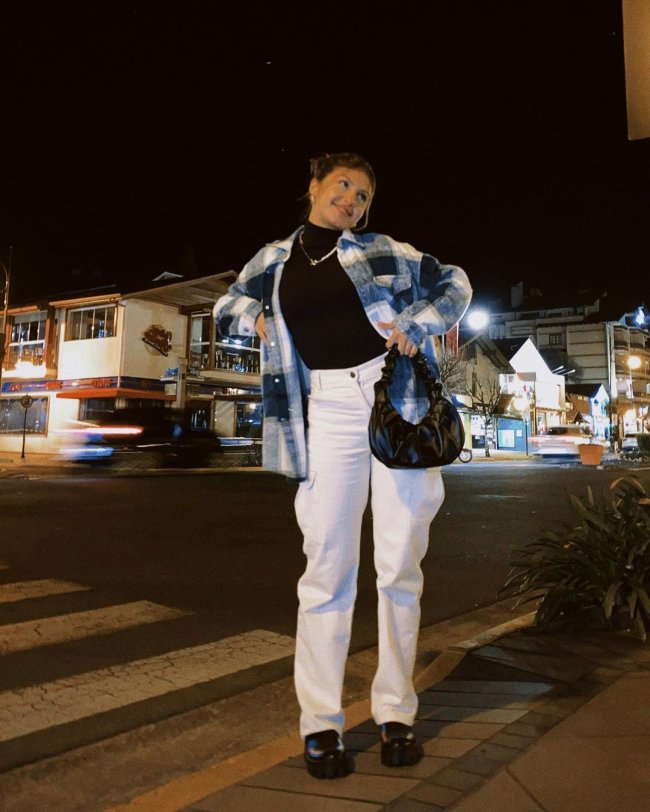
(199, 417)
(249, 420)
(14, 417)
(91, 322)
(237, 354)
(95, 408)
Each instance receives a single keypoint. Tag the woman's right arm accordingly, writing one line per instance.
(238, 310)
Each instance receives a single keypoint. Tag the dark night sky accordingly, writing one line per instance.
(497, 130)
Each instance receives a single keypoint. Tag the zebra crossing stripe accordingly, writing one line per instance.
(77, 625)
(38, 707)
(24, 590)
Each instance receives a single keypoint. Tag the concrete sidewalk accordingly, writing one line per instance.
(510, 720)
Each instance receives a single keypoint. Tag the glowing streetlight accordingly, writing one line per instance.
(478, 319)
(634, 362)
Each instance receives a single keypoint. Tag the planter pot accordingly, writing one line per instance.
(590, 454)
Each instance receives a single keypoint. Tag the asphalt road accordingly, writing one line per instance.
(225, 546)
(147, 621)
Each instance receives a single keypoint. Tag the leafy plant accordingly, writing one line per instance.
(593, 574)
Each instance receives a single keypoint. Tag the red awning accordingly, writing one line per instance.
(113, 392)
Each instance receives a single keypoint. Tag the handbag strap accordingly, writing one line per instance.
(421, 368)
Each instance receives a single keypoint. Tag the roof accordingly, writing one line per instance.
(509, 346)
(585, 390)
(192, 293)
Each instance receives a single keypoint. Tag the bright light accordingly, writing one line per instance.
(477, 319)
(25, 369)
(634, 362)
(640, 316)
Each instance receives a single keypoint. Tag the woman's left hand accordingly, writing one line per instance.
(397, 337)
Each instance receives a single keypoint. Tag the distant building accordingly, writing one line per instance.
(74, 358)
(589, 337)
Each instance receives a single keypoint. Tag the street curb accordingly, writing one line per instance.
(181, 792)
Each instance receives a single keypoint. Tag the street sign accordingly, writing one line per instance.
(26, 401)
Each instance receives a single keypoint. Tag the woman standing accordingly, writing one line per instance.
(326, 303)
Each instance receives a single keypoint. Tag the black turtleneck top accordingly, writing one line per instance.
(322, 308)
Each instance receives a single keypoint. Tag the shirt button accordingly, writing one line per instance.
(353, 374)
(267, 307)
(273, 343)
(276, 380)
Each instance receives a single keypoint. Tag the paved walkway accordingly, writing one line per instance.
(524, 722)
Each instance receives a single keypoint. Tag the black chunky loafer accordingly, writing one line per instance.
(326, 756)
(399, 747)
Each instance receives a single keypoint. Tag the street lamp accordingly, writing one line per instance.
(478, 319)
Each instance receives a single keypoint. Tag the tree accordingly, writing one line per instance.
(486, 392)
(453, 368)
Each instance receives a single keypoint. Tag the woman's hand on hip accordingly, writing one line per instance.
(397, 337)
(260, 328)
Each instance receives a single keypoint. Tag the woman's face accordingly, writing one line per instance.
(340, 199)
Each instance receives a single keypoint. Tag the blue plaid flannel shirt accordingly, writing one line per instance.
(395, 282)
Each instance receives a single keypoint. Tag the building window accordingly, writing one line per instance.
(27, 342)
(91, 322)
(200, 340)
(239, 354)
(95, 408)
(555, 338)
(14, 418)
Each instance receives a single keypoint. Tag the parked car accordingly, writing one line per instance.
(629, 444)
(145, 437)
(563, 441)
(636, 445)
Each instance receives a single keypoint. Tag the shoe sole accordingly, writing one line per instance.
(332, 765)
(401, 754)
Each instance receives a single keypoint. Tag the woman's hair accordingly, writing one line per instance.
(322, 166)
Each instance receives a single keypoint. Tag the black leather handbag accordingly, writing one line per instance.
(437, 440)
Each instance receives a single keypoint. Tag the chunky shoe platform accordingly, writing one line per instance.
(325, 755)
(399, 747)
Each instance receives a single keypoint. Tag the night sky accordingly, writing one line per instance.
(141, 137)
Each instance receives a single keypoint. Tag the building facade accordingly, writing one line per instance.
(74, 359)
(592, 340)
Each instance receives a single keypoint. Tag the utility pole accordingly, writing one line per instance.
(5, 310)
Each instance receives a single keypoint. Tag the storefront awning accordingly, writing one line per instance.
(113, 392)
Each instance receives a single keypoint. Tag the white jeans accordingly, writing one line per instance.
(329, 508)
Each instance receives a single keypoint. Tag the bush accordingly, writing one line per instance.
(595, 574)
(644, 442)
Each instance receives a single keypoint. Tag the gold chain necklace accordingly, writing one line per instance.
(313, 262)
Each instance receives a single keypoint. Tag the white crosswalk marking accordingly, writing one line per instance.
(77, 697)
(24, 590)
(75, 626)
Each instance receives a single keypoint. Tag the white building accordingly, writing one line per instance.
(590, 339)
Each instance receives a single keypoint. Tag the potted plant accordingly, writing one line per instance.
(591, 453)
(594, 574)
